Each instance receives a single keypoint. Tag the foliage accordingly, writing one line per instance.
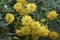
(43, 7)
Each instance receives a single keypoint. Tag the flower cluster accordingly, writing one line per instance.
(28, 26)
(32, 27)
(18, 7)
(35, 28)
(23, 7)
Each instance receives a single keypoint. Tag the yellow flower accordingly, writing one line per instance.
(52, 15)
(25, 30)
(9, 18)
(35, 26)
(53, 35)
(31, 7)
(42, 20)
(17, 6)
(20, 9)
(44, 31)
(26, 20)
